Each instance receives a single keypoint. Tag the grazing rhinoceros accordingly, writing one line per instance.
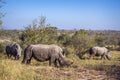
(100, 51)
(13, 50)
(42, 52)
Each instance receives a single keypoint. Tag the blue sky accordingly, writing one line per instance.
(64, 14)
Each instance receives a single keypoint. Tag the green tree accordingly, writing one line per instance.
(50, 35)
(30, 34)
(64, 38)
(39, 33)
(100, 40)
(42, 22)
(81, 42)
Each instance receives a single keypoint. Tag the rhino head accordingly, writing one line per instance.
(108, 56)
(63, 62)
(17, 51)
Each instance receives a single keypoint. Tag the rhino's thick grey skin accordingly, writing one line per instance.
(99, 51)
(13, 50)
(41, 52)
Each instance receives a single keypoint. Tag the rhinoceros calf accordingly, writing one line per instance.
(13, 50)
(41, 52)
(99, 51)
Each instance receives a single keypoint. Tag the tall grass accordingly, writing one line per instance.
(80, 69)
(13, 70)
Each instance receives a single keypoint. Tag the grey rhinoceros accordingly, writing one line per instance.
(100, 51)
(13, 50)
(42, 52)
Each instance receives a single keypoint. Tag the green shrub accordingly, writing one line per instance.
(2, 48)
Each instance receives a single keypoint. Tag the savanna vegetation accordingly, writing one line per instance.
(75, 43)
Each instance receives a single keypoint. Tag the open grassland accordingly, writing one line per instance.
(80, 70)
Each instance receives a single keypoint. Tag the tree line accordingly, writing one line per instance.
(72, 41)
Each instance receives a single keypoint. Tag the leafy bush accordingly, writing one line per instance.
(42, 33)
(81, 42)
(2, 48)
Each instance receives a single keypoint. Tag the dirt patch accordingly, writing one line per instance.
(70, 74)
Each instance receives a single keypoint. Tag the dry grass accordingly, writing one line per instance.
(80, 70)
(13, 70)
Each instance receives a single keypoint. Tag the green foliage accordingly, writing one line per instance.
(11, 35)
(42, 33)
(2, 48)
(81, 42)
(64, 39)
(100, 41)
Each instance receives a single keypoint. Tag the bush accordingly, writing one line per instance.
(2, 48)
(42, 33)
(81, 42)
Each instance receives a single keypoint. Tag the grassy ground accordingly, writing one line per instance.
(80, 70)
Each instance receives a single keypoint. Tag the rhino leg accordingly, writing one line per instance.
(16, 57)
(53, 62)
(91, 56)
(29, 60)
(9, 55)
(60, 63)
(102, 56)
(23, 61)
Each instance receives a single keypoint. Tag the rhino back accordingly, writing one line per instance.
(100, 50)
(42, 52)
